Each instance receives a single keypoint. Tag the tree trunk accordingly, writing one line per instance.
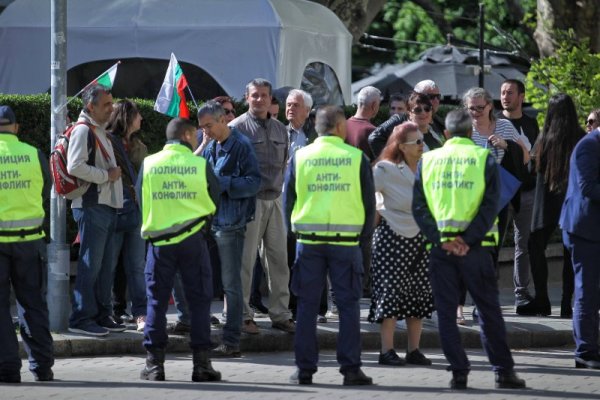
(582, 16)
(357, 15)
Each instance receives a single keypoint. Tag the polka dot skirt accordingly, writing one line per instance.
(400, 276)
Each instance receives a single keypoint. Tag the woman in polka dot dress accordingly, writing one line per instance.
(401, 288)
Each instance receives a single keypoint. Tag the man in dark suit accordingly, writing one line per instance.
(580, 221)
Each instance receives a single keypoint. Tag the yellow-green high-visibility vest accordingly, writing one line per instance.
(329, 206)
(21, 185)
(175, 198)
(453, 179)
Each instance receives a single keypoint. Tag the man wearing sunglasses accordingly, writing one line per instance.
(512, 94)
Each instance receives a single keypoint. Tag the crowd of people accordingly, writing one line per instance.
(327, 210)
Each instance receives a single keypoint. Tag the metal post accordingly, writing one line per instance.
(481, 26)
(58, 250)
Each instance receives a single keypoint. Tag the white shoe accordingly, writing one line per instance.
(141, 323)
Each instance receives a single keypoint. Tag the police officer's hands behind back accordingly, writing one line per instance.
(456, 247)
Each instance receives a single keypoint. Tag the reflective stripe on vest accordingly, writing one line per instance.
(21, 186)
(454, 184)
(329, 197)
(174, 194)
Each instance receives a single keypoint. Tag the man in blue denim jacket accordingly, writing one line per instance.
(234, 162)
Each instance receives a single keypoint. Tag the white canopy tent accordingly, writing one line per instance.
(233, 41)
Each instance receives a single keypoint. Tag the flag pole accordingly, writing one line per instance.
(59, 109)
(192, 96)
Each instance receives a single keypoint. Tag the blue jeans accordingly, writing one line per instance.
(231, 246)
(132, 247)
(92, 295)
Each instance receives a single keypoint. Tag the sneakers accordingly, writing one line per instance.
(301, 377)
(122, 318)
(141, 323)
(110, 325)
(321, 319)
(178, 328)
(356, 378)
(417, 358)
(91, 329)
(509, 380)
(250, 327)
(390, 357)
(226, 350)
(287, 326)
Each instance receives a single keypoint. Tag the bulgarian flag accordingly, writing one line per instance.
(108, 77)
(171, 98)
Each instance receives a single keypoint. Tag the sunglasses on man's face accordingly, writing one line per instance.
(590, 122)
(419, 110)
(434, 96)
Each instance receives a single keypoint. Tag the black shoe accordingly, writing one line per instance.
(110, 325)
(178, 328)
(459, 380)
(566, 311)
(593, 363)
(155, 366)
(43, 375)
(417, 358)
(390, 357)
(509, 380)
(10, 378)
(226, 350)
(356, 378)
(535, 308)
(301, 377)
(203, 370)
(123, 318)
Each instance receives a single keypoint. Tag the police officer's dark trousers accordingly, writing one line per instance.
(190, 257)
(477, 271)
(344, 264)
(23, 265)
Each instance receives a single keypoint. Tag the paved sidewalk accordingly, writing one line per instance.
(523, 333)
(549, 373)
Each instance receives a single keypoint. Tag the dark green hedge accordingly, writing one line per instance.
(33, 115)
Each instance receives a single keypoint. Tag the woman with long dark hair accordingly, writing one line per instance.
(552, 152)
(400, 287)
(124, 126)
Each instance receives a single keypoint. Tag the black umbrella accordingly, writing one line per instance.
(449, 69)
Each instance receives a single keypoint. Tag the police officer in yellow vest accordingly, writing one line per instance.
(329, 204)
(455, 202)
(24, 185)
(178, 192)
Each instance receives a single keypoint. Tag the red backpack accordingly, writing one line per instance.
(66, 184)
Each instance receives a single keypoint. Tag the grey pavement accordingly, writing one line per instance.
(522, 332)
(549, 373)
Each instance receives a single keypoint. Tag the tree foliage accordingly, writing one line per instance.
(572, 69)
(509, 24)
